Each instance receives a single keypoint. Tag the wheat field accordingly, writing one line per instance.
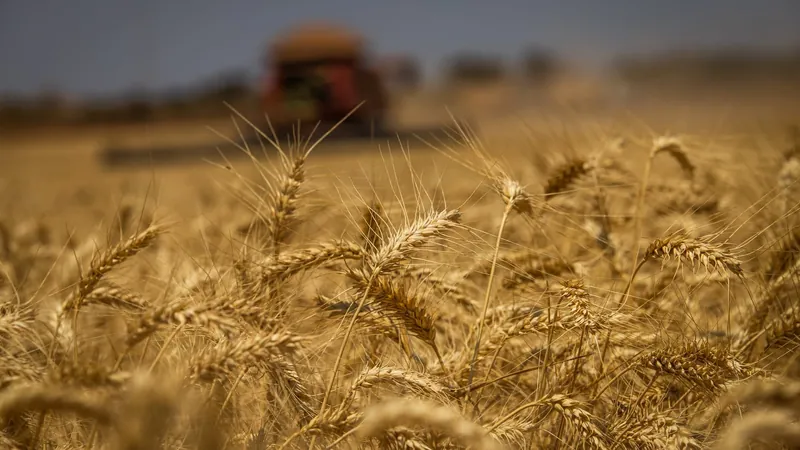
(618, 283)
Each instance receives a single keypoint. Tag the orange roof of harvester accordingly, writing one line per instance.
(317, 40)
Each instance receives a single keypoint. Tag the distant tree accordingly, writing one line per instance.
(538, 65)
(229, 85)
(474, 68)
(50, 99)
(409, 73)
(402, 71)
(720, 66)
(139, 107)
(16, 110)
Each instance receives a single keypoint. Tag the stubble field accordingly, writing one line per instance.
(622, 279)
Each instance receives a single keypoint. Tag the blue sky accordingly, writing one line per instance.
(107, 46)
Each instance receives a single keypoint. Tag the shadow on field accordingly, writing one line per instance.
(122, 157)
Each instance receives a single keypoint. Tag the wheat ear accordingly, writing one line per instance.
(387, 257)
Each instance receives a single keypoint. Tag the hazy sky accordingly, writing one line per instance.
(102, 46)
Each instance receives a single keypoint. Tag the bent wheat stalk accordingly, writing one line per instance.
(382, 417)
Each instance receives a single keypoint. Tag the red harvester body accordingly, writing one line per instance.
(320, 73)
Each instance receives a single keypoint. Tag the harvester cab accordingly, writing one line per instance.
(319, 73)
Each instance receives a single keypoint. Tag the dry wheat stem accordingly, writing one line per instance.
(228, 397)
(340, 355)
(486, 300)
(462, 391)
(163, 348)
(640, 208)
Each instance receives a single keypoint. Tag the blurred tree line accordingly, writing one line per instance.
(535, 66)
(719, 67)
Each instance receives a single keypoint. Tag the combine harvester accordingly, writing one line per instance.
(318, 77)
